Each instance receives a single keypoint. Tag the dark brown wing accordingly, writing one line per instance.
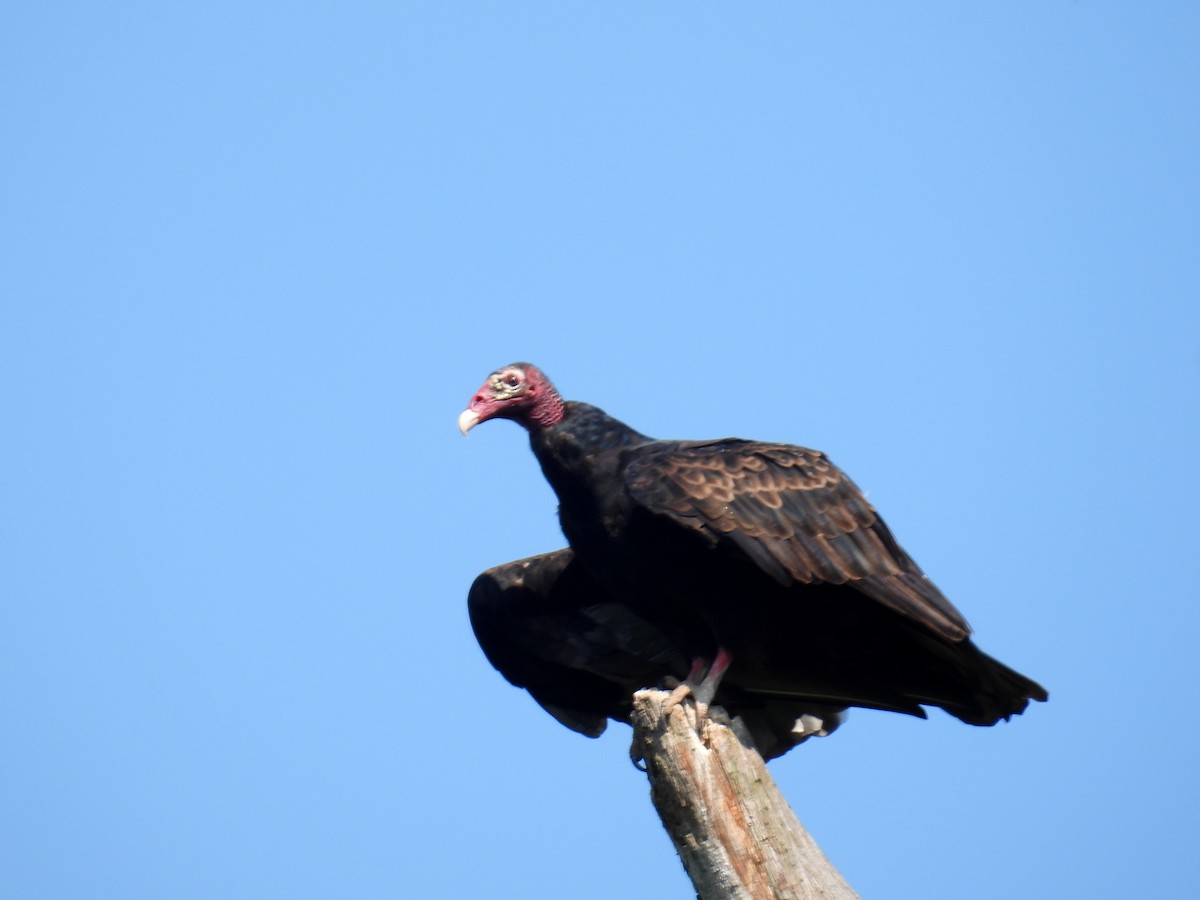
(550, 628)
(792, 512)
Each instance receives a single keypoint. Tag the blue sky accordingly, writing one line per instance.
(254, 261)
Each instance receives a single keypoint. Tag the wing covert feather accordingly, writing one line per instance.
(793, 513)
(547, 626)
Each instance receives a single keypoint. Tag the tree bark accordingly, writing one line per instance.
(736, 835)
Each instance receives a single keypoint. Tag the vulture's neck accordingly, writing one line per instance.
(582, 451)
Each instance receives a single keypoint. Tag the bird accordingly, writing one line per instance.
(750, 575)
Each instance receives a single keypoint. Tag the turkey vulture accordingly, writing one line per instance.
(755, 573)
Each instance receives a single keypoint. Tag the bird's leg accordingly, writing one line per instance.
(702, 682)
(687, 687)
(707, 688)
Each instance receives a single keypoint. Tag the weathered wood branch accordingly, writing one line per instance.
(736, 835)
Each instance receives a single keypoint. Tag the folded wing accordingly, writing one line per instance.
(793, 514)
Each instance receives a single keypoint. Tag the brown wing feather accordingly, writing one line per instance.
(550, 628)
(794, 513)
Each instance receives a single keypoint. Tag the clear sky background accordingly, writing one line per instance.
(255, 258)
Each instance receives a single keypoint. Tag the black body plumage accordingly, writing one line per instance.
(678, 548)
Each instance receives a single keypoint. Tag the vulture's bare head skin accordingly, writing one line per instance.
(520, 392)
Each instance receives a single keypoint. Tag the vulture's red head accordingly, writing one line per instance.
(519, 392)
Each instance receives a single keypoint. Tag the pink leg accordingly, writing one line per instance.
(703, 680)
(696, 673)
(707, 689)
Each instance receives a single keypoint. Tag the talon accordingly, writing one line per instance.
(638, 760)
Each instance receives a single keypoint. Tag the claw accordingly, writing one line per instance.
(636, 757)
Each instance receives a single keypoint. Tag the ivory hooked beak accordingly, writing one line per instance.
(467, 420)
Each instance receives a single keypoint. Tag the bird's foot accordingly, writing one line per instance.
(701, 685)
(698, 707)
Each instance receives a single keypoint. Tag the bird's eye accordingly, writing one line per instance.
(512, 380)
